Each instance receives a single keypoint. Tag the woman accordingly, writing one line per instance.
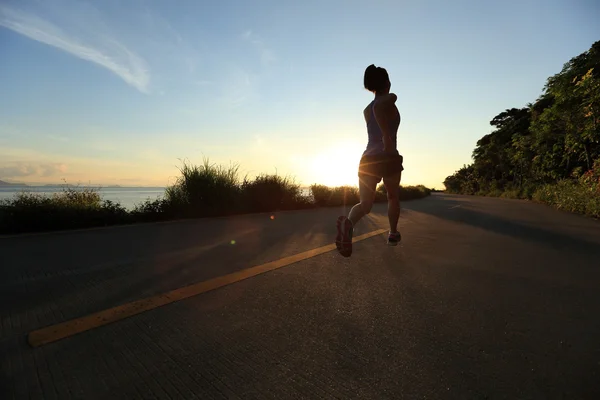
(380, 160)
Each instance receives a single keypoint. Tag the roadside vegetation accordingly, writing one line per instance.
(205, 190)
(548, 151)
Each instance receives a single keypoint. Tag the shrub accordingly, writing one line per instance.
(70, 208)
(336, 196)
(320, 194)
(270, 193)
(204, 190)
(381, 193)
(511, 194)
(570, 195)
(413, 192)
(200, 191)
(154, 210)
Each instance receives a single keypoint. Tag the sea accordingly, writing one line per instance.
(128, 197)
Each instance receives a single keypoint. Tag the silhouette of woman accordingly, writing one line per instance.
(380, 160)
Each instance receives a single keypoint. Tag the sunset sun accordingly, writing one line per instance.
(336, 165)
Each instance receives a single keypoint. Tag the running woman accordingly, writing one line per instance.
(380, 160)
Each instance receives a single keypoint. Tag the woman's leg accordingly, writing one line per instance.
(367, 185)
(345, 225)
(392, 186)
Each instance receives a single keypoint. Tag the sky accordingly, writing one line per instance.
(122, 92)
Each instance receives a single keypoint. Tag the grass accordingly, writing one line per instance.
(579, 195)
(71, 208)
(572, 196)
(324, 196)
(272, 192)
(204, 190)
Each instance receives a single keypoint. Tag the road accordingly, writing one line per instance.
(485, 298)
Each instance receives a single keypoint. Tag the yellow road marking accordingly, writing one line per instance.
(69, 328)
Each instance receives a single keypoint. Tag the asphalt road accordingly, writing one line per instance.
(485, 298)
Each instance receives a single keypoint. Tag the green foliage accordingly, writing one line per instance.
(70, 208)
(381, 193)
(337, 196)
(413, 192)
(156, 210)
(201, 191)
(545, 146)
(349, 196)
(271, 193)
(205, 190)
(580, 195)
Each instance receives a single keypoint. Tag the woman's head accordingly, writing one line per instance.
(377, 80)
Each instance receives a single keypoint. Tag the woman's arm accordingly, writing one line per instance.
(390, 97)
(383, 110)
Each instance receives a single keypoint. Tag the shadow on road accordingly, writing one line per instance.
(113, 267)
(457, 211)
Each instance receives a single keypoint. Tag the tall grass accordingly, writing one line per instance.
(270, 193)
(336, 196)
(68, 209)
(572, 196)
(203, 190)
(349, 195)
(580, 194)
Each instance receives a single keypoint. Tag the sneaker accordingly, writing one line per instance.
(394, 238)
(343, 240)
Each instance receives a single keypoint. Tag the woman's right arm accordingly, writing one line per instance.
(383, 111)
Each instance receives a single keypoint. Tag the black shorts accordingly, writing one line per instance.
(381, 165)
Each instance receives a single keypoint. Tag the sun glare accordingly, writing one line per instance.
(337, 165)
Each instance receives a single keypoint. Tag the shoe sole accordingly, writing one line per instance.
(344, 227)
(396, 243)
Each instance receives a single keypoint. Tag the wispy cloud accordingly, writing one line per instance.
(34, 167)
(240, 88)
(97, 47)
(202, 83)
(10, 130)
(31, 169)
(267, 56)
(58, 138)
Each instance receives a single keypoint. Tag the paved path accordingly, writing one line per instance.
(486, 298)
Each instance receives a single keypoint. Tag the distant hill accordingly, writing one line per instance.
(3, 183)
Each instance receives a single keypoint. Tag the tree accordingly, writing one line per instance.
(556, 137)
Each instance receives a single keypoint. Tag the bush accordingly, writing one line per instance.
(200, 191)
(270, 193)
(320, 194)
(349, 195)
(511, 194)
(69, 209)
(527, 191)
(338, 196)
(413, 192)
(344, 196)
(154, 210)
(205, 190)
(381, 193)
(570, 195)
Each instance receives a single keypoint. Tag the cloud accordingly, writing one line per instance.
(58, 138)
(240, 88)
(90, 44)
(202, 83)
(28, 169)
(10, 130)
(267, 56)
